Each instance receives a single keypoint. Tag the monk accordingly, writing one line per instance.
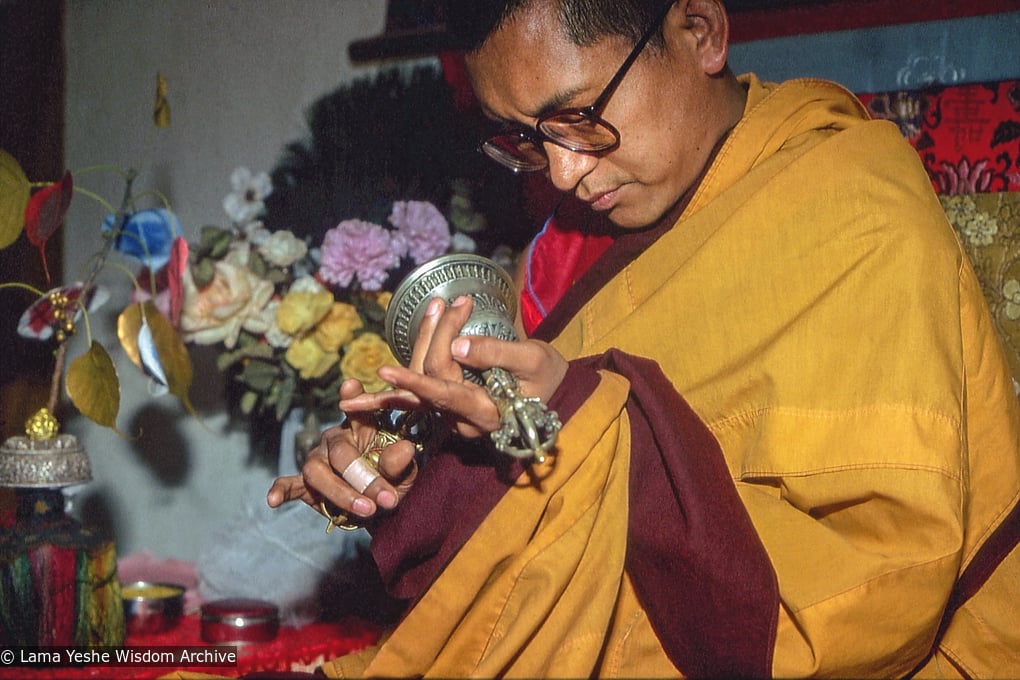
(790, 442)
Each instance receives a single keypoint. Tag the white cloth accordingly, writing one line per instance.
(282, 555)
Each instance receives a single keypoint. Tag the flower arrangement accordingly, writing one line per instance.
(291, 318)
(291, 313)
(149, 236)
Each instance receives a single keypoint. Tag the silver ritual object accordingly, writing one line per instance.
(27, 463)
(528, 428)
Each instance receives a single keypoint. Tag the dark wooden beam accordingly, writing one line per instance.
(415, 27)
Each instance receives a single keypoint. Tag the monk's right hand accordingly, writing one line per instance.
(322, 481)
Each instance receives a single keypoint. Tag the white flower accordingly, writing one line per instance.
(283, 249)
(1011, 291)
(274, 335)
(245, 202)
(462, 243)
(239, 253)
(959, 209)
(981, 229)
(309, 265)
(255, 232)
(503, 255)
(306, 284)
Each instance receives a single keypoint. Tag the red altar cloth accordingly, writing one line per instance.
(294, 649)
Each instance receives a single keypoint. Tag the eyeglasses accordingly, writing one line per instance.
(576, 129)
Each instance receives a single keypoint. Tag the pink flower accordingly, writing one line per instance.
(422, 231)
(357, 248)
(964, 178)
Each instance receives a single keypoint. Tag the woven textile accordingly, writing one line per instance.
(968, 136)
(989, 228)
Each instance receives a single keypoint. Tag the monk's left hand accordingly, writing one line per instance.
(435, 380)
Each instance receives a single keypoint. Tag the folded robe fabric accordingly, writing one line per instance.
(503, 606)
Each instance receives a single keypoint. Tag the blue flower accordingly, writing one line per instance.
(147, 236)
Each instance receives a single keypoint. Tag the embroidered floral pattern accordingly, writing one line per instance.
(968, 136)
(989, 229)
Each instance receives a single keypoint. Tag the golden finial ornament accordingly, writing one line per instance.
(42, 425)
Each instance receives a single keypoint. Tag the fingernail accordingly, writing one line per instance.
(386, 500)
(460, 301)
(435, 307)
(460, 347)
(362, 506)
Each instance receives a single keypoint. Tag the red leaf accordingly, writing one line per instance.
(45, 213)
(175, 278)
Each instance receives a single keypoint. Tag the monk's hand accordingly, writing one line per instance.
(350, 473)
(434, 379)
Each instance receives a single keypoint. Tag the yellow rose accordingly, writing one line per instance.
(299, 311)
(337, 328)
(383, 298)
(363, 358)
(310, 359)
(231, 301)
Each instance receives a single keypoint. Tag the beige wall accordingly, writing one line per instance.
(241, 74)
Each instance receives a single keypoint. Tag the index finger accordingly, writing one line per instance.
(425, 330)
(286, 489)
(438, 361)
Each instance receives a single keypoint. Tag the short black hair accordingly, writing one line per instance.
(584, 22)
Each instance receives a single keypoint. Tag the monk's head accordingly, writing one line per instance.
(538, 66)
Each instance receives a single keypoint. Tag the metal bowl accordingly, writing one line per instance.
(151, 607)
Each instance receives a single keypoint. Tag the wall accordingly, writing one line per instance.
(241, 74)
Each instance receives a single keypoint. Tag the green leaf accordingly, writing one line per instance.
(93, 386)
(275, 275)
(257, 264)
(247, 339)
(287, 390)
(228, 359)
(203, 272)
(259, 375)
(14, 193)
(258, 351)
(248, 402)
(215, 242)
(372, 311)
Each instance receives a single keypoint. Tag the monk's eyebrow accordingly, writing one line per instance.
(557, 101)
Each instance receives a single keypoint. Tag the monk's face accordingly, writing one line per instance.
(671, 108)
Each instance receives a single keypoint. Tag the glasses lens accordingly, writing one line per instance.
(517, 151)
(579, 132)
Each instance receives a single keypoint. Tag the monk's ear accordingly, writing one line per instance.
(709, 26)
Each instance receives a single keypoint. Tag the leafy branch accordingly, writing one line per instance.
(38, 209)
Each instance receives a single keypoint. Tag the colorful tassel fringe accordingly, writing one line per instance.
(58, 587)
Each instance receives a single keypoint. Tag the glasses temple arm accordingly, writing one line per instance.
(639, 46)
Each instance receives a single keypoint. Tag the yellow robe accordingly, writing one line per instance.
(814, 308)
